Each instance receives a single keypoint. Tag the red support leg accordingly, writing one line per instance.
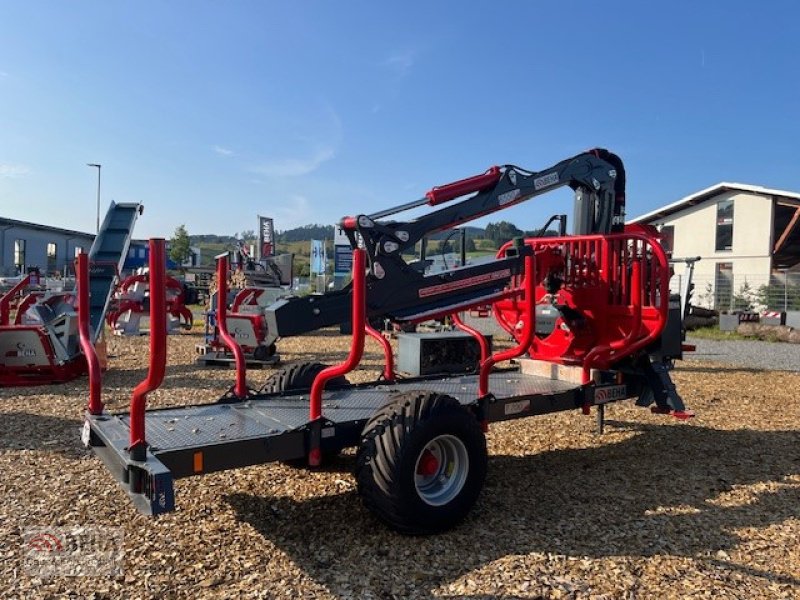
(93, 363)
(388, 366)
(527, 334)
(359, 320)
(482, 343)
(158, 348)
(240, 387)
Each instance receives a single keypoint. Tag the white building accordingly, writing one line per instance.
(747, 237)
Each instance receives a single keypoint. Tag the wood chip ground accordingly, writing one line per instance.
(654, 508)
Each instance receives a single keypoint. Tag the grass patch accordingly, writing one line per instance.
(714, 333)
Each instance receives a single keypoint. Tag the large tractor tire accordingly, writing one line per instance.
(300, 376)
(264, 353)
(421, 463)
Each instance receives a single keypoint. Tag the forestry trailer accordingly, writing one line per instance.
(589, 313)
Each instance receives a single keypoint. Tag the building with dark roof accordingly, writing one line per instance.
(24, 245)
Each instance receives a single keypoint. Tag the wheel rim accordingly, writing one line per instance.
(441, 470)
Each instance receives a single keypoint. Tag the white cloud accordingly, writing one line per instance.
(296, 211)
(223, 151)
(294, 167)
(9, 171)
(401, 62)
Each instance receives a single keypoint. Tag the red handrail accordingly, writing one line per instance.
(5, 301)
(240, 387)
(85, 337)
(482, 343)
(527, 333)
(357, 343)
(388, 366)
(593, 358)
(158, 348)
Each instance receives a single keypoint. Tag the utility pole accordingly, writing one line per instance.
(98, 193)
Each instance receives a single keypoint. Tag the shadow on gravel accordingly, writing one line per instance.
(656, 493)
(25, 431)
(719, 369)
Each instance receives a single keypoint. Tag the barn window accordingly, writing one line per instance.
(723, 288)
(52, 254)
(668, 239)
(19, 254)
(724, 225)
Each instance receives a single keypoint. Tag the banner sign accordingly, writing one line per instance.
(266, 237)
(317, 257)
(342, 260)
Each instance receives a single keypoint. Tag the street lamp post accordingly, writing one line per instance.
(98, 192)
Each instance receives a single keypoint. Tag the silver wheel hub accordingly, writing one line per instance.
(441, 470)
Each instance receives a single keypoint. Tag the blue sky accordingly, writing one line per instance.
(210, 113)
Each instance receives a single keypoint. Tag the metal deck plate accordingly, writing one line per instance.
(195, 426)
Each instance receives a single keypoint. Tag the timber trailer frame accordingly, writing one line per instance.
(422, 456)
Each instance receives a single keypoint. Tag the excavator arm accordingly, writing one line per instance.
(402, 292)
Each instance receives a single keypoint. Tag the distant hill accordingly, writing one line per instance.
(305, 233)
(296, 241)
(310, 232)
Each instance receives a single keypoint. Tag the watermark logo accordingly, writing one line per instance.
(87, 551)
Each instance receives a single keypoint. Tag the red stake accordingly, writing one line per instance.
(356, 344)
(158, 348)
(482, 343)
(240, 387)
(95, 402)
(527, 333)
(388, 367)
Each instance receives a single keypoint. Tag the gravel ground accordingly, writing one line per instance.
(754, 354)
(654, 508)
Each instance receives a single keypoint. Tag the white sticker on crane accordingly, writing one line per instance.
(545, 180)
(508, 197)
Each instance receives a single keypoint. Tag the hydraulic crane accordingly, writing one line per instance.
(402, 292)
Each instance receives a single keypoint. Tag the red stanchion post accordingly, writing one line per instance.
(357, 342)
(240, 387)
(527, 332)
(158, 349)
(388, 365)
(479, 337)
(85, 337)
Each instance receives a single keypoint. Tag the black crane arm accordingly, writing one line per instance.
(596, 176)
(402, 292)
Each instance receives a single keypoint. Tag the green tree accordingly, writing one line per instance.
(502, 232)
(179, 249)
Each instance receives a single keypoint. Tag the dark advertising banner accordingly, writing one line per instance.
(266, 237)
(342, 260)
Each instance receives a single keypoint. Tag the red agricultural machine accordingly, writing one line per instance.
(246, 324)
(589, 313)
(131, 300)
(252, 288)
(41, 345)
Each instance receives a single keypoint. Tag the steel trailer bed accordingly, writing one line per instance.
(200, 439)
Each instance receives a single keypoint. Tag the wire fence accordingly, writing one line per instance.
(728, 292)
